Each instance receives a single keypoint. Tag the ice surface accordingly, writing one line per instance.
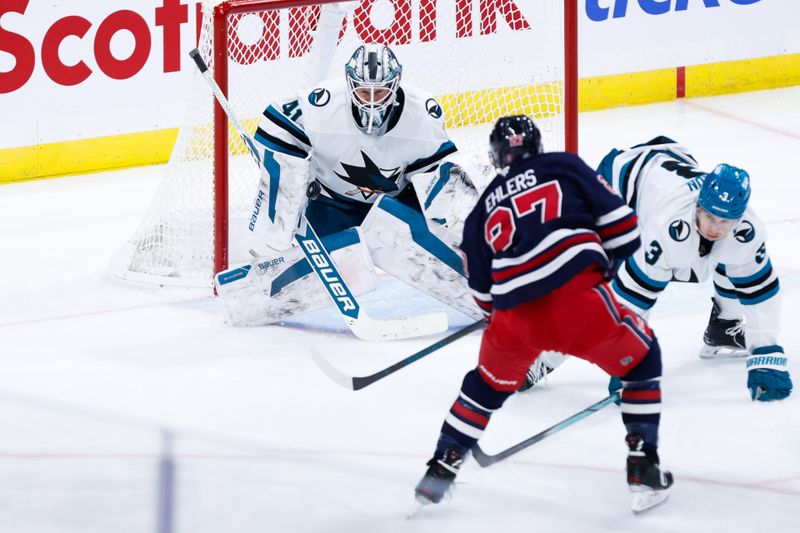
(94, 374)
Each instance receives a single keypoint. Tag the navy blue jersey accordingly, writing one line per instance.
(544, 220)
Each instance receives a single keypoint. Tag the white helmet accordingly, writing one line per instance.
(373, 77)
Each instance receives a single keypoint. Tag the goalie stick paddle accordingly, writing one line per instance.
(359, 382)
(484, 459)
(363, 326)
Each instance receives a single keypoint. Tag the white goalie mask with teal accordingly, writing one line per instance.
(373, 78)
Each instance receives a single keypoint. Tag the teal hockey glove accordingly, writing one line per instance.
(767, 375)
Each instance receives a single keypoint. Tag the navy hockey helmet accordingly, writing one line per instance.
(514, 137)
(725, 192)
(373, 78)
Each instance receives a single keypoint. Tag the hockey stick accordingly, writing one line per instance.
(363, 326)
(359, 382)
(484, 459)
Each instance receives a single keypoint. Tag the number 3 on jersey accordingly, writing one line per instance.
(501, 224)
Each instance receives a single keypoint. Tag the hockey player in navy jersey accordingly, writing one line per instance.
(368, 163)
(697, 225)
(539, 246)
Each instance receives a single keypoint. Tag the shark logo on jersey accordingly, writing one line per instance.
(679, 230)
(370, 179)
(319, 97)
(433, 107)
(744, 232)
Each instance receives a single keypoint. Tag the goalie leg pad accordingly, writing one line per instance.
(281, 285)
(279, 201)
(402, 244)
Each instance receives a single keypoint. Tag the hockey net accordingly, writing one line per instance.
(482, 59)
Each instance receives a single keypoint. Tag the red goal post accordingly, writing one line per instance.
(481, 58)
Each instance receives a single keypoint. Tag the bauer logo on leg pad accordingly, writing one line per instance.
(256, 211)
(321, 262)
(266, 265)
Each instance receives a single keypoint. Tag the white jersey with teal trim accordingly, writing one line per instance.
(662, 181)
(349, 164)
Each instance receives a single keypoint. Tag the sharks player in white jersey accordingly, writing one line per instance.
(364, 139)
(368, 164)
(696, 225)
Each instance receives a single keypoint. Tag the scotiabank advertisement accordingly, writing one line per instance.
(73, 69)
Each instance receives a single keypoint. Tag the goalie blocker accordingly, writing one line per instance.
(279, 285)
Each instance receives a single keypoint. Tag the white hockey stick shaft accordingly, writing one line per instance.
(223, 102)
(363, 326)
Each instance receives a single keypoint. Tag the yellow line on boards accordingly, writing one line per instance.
(462, 109)
(86, 155)
(635, 88)
(743, 75)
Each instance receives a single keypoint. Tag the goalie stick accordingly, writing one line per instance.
(484, 459)
(359, 382)
(362, 325)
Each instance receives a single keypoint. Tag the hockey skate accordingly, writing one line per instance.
(544, 364)
(722, 338)
(648, 483)
(535, 374)
(439, 477)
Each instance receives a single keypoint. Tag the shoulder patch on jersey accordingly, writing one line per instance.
(433, 108)
(319, 97)
(744, 232)
(679, 230)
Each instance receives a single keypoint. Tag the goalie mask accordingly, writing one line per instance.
(373, 78)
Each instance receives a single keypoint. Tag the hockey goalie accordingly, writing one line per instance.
(367, 163)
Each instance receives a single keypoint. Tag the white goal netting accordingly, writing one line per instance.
(482, 59)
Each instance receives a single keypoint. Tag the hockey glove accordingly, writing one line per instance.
(767, 376)
(615, 387)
